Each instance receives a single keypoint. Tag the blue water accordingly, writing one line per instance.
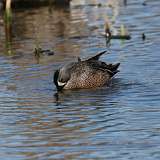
(121, 121)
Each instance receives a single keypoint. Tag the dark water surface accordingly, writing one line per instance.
(121, 121)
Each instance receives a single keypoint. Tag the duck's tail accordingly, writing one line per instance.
(96, 57)
(113, 68)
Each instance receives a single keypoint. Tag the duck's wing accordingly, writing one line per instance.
(96, 57)
(112, 69)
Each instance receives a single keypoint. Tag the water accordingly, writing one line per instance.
(117, 122)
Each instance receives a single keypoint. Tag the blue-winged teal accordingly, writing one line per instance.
(89, 73)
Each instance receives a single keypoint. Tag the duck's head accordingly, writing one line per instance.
(62, 76)
(60, 80)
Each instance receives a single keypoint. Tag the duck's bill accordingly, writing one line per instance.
(61, 83)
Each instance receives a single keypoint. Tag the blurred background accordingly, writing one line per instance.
(120, 121)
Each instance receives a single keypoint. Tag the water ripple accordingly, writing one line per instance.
(119, 121)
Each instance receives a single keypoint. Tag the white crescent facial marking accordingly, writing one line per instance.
(61, 83)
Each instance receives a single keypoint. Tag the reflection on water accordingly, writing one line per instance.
(119, 121)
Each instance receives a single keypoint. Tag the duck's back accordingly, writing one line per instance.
(88, 74)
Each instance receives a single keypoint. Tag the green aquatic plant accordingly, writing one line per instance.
(8, 27)
(8, 12)
(122, 30)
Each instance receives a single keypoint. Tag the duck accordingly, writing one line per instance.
(85, 74)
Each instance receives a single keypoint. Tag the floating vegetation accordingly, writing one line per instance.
(125, 37)
(123, 33)
(39, 51)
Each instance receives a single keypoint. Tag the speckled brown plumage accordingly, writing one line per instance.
(90, 73)
(85, 76)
